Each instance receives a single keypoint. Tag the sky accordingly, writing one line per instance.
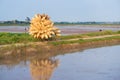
(61, 10)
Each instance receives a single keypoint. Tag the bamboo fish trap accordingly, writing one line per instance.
(42, 27)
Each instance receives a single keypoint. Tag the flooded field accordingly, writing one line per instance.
(65, 30)
(91, 64)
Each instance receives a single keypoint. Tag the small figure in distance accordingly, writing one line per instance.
(100, 30)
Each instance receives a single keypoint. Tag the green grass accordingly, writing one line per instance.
(11, 38)
(108, 32)
(83, 41)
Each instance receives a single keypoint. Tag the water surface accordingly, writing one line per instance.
(68, 29)
(91, 64)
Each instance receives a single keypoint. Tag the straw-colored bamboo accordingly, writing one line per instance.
(42, 69)
(42, 27)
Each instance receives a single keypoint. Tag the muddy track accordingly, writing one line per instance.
(95, 37)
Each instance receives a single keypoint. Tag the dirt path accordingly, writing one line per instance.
(102, 36)
(95, 37)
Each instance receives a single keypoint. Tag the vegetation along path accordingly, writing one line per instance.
(13, 44)
(94, 37)
(74, 39)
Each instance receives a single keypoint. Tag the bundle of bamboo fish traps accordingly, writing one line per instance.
(42, 27)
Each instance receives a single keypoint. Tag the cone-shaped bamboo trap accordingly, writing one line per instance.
(42, 27)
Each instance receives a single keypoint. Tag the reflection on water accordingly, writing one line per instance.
(42, 69)
(92, 64)
(36, 68)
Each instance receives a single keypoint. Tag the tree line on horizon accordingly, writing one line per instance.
(27, 21)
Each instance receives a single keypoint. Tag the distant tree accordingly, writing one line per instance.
(27, 19)
(15, 21)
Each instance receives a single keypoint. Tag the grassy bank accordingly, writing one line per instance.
(52, 48)
(85, 40)
(12, 38)
(108, 32)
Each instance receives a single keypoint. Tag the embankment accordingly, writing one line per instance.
(50, 49)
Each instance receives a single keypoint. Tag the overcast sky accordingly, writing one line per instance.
(61, 10)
